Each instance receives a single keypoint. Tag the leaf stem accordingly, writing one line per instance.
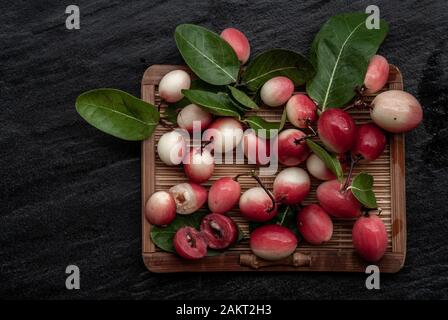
(353, 162)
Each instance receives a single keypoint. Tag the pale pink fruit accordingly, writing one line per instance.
(396, 111)
(291, 186)
(223, 195)
(160, 208)
(226, 133)
(172, 84)
(377, 73)
(199, 165)
(256, 149)
(273, 242)
(191, 114)
(301, 111)
(317, 168)
(314, 224)
(189, 197)
(239, 43)
(256, 205)
(276, 91)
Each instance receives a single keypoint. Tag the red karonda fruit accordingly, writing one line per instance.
(189, 197)
(190, 243)
(370, 142)
(291, 186)
(172, 84)
(199, 165)
(256, 205)
(377, 73)
(291, 147)
(339, 203)
(273, 242)
(370, 237)
(223, 195)
(160, 209)
(220, 231)
(314, 224)
(396, 111)
(192, 115)
(239, 43)
(336, 130)
(301, 111)
(276, 91)
(256, 149)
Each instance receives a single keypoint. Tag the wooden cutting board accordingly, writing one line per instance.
(336, 255)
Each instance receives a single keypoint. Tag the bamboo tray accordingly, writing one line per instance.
(336, 255)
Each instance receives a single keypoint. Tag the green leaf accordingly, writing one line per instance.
(258, 124)
(286, 217)
(330, 160)
(171, 111)
(340, 53)
(162, 237)
(283, 120)
(118, 113)
(362, 189)
(277, 62)
(216, 103)
(242, 98)
(209, 56)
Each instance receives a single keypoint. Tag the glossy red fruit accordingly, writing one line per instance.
(193, 115)
(291, 186)
(219, 231)
(396, 111)
(336, 130)
(160, 208)
(291, 151)
(370, 238)
(317, 168)
(256, 205)
(226, 134)
(189, 197)
(256, 149)
(276, 91)
(273, 242)
(301, 111)
(199, 165)
(190, 243)
(339, 203)
(314, 224)
(377, 73)
(370, 142)
(223, 195)
(239, 43)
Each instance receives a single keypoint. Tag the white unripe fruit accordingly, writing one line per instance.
(171, 85)
(172, 148)
(191, 113)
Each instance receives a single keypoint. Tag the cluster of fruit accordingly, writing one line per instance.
(392, 111)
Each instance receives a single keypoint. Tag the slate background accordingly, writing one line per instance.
(71, 195)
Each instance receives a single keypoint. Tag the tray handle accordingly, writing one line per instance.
(296, 260)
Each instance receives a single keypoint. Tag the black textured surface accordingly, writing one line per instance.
(71, 195)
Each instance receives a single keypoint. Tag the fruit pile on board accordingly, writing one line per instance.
(341, 70)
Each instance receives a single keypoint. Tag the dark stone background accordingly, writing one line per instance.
(71, 194)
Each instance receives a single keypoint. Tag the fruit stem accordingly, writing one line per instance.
(308, 136)
(206, 143)
(353, 162)
(257, 178)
